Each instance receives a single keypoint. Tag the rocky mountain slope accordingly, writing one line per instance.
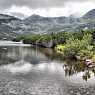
(11, 26)
(90, 15)
(7, 26)
(40, 24)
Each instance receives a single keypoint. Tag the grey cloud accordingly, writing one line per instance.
(37, 3)
(31, 3)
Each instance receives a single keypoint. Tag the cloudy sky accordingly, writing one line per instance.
(52, 8)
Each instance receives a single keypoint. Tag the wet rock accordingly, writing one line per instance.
(87, 93)
(78, 93)
(71, 92)
(88, 62)
(48, 44)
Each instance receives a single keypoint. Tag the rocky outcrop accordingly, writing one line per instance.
(46, 44)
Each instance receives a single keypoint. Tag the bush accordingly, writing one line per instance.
(60, 48)
(78, 47)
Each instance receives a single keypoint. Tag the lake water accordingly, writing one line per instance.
(18, 61)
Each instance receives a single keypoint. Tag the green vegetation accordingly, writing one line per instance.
(43, 40)
(70, 44)
(79, 45)
(44, 37)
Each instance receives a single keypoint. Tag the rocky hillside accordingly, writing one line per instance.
(90, 15)
(11, 26)
(40, 24)
(7, 26)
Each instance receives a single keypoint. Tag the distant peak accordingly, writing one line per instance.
(90, 14)
(92, 10)
(8, 16)
(35, 15)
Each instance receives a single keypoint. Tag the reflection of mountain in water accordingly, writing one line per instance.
(12, 54)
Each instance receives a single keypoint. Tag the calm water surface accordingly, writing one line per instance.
(18, 61)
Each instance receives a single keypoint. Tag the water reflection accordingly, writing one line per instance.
(74, 67)
(20, 59)
(29, 54)
(18, 67)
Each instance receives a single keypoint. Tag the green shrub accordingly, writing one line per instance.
(78, 47)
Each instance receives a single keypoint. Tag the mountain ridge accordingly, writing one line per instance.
(90, 14)
(37, 24)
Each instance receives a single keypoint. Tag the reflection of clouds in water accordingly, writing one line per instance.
(52, 67)
(25, 67)
(10, 43)
(18, 67)
(78, 79)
